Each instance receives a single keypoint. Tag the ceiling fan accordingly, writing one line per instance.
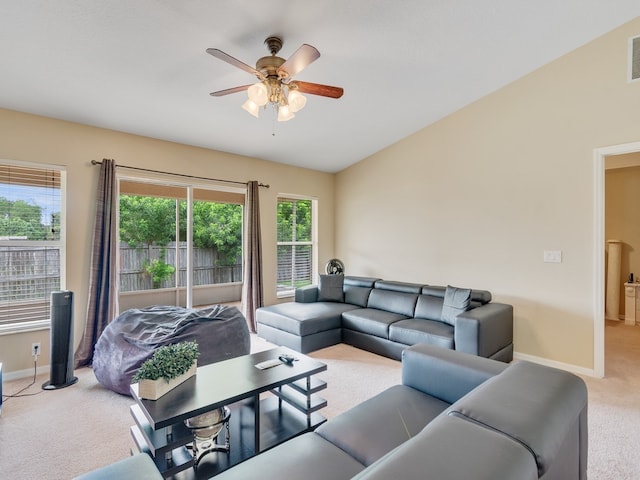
(275, 85)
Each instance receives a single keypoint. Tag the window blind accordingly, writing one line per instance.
(295, 248)
(31, 242)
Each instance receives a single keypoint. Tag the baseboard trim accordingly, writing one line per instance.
(18, 374)
(589, 372)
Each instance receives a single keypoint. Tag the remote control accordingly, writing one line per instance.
(268, 364)
(288, 359)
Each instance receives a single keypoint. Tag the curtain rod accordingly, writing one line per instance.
(96, 162)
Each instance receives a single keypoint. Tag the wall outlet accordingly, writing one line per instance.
(35, 349)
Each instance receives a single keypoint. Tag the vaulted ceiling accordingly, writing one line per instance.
(140, 66)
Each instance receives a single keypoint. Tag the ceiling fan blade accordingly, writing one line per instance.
(228, 91)
(318, 89)
(300, 59)
(225, 57)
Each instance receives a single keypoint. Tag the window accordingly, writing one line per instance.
(32, 247)
(296, 244)
(153, 232)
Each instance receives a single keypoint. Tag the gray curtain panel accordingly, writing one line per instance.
(252, 269)
(102, 305)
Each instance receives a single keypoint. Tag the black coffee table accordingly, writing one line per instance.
(258, 420)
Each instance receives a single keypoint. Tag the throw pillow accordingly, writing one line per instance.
(330, 288)
(456, 301)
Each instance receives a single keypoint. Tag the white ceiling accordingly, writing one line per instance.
(140, 66)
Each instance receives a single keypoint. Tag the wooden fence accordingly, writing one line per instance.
(28, 273)
(133, 276)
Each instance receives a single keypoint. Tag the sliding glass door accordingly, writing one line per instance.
(179, 244)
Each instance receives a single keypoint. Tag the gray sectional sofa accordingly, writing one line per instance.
(455, 416)
(385, 317)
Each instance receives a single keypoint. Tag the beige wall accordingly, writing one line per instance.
(474, 199)
(37, 139)
(622, 214)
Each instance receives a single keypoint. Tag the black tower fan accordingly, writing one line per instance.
(61, 341)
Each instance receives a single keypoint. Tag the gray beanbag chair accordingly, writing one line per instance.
(220, 331)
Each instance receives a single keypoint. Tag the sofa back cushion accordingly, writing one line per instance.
(356, 295)
(451, 374)
(357, 290)
(429, 307)
(367, 282)
(395, 302)
(403, 287)
(478, 297)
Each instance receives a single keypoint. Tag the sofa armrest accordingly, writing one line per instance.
(514, 404)
(484, 330)
(307, 294)
(445, 374)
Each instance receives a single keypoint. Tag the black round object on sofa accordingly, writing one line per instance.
(131, 338)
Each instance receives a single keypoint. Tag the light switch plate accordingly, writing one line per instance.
(553, 256)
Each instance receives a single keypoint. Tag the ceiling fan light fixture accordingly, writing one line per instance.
(284, 113)
(252, 107)
(296, 100)
(258, 94)
(274, 86)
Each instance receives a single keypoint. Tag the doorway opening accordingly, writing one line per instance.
(602, 156)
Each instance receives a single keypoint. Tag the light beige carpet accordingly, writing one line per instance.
(62, 433)
(614, 407)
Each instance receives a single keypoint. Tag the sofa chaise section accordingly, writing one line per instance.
(303, 327)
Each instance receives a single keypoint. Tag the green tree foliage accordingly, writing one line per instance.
(219, 226)
(294, 220)
(151, 221)
(147, 220)
(21, 219)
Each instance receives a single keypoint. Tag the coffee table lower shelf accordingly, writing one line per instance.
(279, 422)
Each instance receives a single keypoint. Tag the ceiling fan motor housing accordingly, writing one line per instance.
(268, 66)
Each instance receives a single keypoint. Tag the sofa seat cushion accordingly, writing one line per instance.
(416, 330)
(370, 321)
(308, 456)
(533, 404)
(379, 424)
(303, 318)
(452, 448)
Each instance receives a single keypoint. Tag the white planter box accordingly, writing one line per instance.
(154, 389)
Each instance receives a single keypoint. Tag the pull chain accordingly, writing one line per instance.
(274, 120)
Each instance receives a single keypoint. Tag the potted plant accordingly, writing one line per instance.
(169, 366)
